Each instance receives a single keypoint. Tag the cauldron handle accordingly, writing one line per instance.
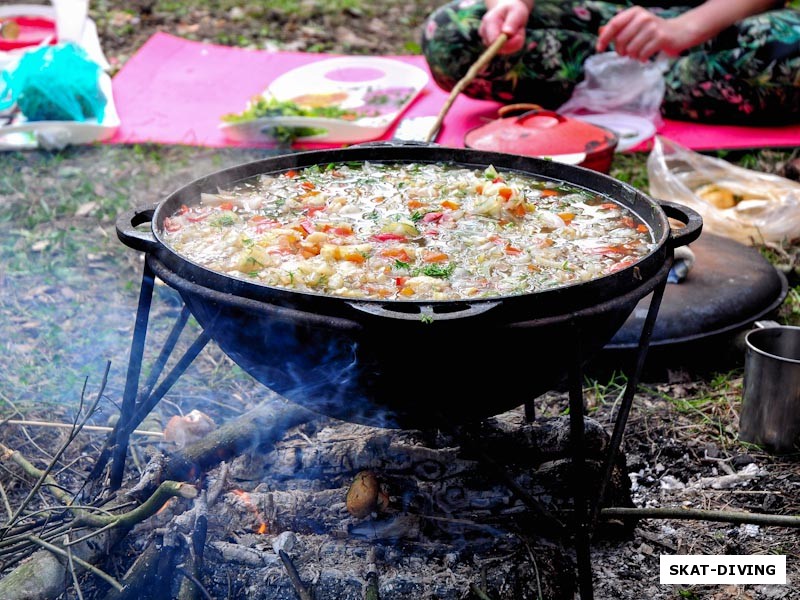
(136, 238)
(426, 311)
(691, 218)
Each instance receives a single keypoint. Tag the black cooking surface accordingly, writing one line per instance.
(729, 287)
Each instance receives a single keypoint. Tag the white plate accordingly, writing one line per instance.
(379, 89)
(630, 129)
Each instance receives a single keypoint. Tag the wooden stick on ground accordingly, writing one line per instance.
(100, 428)
(294, 576)
(473, 71)
(694, 514)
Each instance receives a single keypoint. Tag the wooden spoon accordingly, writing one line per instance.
(482, 61)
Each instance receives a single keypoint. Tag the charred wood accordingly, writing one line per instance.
(256, 429)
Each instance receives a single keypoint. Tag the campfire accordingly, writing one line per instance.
(282, 502)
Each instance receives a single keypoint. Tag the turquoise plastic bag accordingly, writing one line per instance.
(55, 83)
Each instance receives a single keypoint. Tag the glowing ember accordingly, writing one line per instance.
(244, 497)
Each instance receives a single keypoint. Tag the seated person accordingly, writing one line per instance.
(731, 61)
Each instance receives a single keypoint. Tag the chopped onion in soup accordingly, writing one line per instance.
(408, 231)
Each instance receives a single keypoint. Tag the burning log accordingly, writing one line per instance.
(260, 427)
(446, 510)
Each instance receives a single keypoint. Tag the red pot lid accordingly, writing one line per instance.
(21, 31)
(540, 132)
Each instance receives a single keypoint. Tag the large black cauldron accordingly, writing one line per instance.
(407, 362)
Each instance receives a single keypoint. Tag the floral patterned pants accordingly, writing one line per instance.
(748, 74)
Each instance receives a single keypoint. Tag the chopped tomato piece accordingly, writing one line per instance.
(291, 174)
(498, 179)
(396, 253)
(432, 256)
(621, 265)
(226, 206)
(312, 210)
(307, 185)
(262, 223)
(548, 192)
(512, 250)
(183, 210)
(608, 205)
(198, 214)
(611, 250)
(400, 281)
(505, 192)
(342, 230)
(388, 237)
(518, 211)
(641, 228)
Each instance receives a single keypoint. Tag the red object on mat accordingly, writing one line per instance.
(30, 31)
(174, 91)
(531, 130)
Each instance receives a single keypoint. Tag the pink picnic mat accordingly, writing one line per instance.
(174, 91)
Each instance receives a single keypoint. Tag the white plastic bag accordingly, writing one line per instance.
(614, 84)
(748, 206)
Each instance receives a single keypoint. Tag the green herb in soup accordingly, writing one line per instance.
(408, 231)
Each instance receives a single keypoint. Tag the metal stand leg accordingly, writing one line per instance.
(530, 412)
(137, 405)
(627, 398)
(586, 516)
(577, 443)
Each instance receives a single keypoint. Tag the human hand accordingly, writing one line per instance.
(505, 16)
(639, 34)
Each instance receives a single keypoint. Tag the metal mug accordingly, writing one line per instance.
(770, 414)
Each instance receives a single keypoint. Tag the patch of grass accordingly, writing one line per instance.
(631, 167)
(789, 312)
(598, 393)
(710, 405)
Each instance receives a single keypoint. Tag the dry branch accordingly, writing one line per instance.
(695, 514)
(294, 576)
(43, 575)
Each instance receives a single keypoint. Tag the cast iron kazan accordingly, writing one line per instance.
(407, 362)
